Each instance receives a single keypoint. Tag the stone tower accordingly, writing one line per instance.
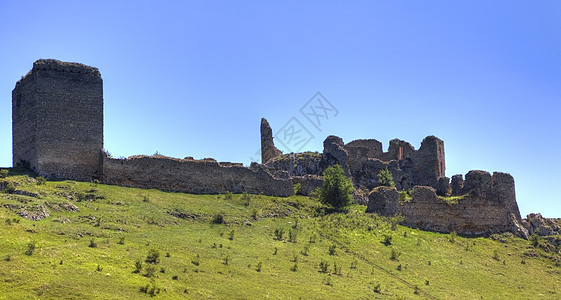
(57, 120)
(268, 149)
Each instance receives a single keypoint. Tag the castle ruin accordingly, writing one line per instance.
(57, 128)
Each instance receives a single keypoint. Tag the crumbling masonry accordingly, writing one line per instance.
(57, 123)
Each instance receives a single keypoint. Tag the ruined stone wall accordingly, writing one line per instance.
(192, 176)
(57, 120)
(489, 206)
(268, 149)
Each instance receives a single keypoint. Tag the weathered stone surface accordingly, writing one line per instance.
(57, 120)
(443, 188)
(383, 200)
(268, 149)
(299, 164)
(334, 150)
(308, 183)
(192, 176)
(490, 208)
(536, 223)
(478, 183)
(457, 185)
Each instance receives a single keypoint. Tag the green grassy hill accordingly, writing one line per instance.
(108, 242)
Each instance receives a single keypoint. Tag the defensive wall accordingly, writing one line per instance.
(487, 205)
(57, 121)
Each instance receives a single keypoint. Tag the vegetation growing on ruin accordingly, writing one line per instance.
(336, 190)
(452, 199)
(99, 241)
(385, 178)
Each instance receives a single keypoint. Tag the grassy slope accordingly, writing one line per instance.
(63, 265)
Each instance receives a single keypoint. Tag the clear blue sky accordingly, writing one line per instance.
(189, 78)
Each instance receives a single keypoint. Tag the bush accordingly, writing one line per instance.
(92, 244)
(336, 190)
(153, 256)
(279, 232)
(4, 173)
(137, 266)
(385, 178)
(332, 249)
(218, 219)
(395, 254)
(30, 248)
(41, 180)
(10, 188)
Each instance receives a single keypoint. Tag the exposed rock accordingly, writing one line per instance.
(308, 183)
(334, 151)
(35, 213)
(268, 149)
(457, 185)
(383, 200)
(443, 188)
(536, 223)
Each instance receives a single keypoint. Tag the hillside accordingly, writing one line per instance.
(88, 240)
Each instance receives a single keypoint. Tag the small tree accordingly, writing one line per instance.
(385, 178)
(336, 189)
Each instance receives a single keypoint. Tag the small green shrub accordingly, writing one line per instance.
(387, 239)
(395, 254)
(153, 256)
(92, 244)
(41, 180)
(30, 248)
(150, 271)
(231, 235)
(99, 268)
(228, 196)
(378, 288)
(305, 250)
(385, 178)
(196, 260)
(279, 232)
(294, 267)
(297, 188)
(336, 190)
(137, 267)
(218, 219)
(354, 264)
(292, 236)
(259, 266)
(324, 266)
(496, 255)
(10, 188)
(4, 173)
(452, 237)
(535, 240)
(121, 240)
(333, 249)
(226, 260)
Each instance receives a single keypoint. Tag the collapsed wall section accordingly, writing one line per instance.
(192, 176)
(489, 206)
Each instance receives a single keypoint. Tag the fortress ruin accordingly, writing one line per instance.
(57, 131)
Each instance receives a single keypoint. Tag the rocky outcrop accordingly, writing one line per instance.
(307, 184)
(268, 149)
(539, 225)
(488, 207)
(383, 200)
(334, 151)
